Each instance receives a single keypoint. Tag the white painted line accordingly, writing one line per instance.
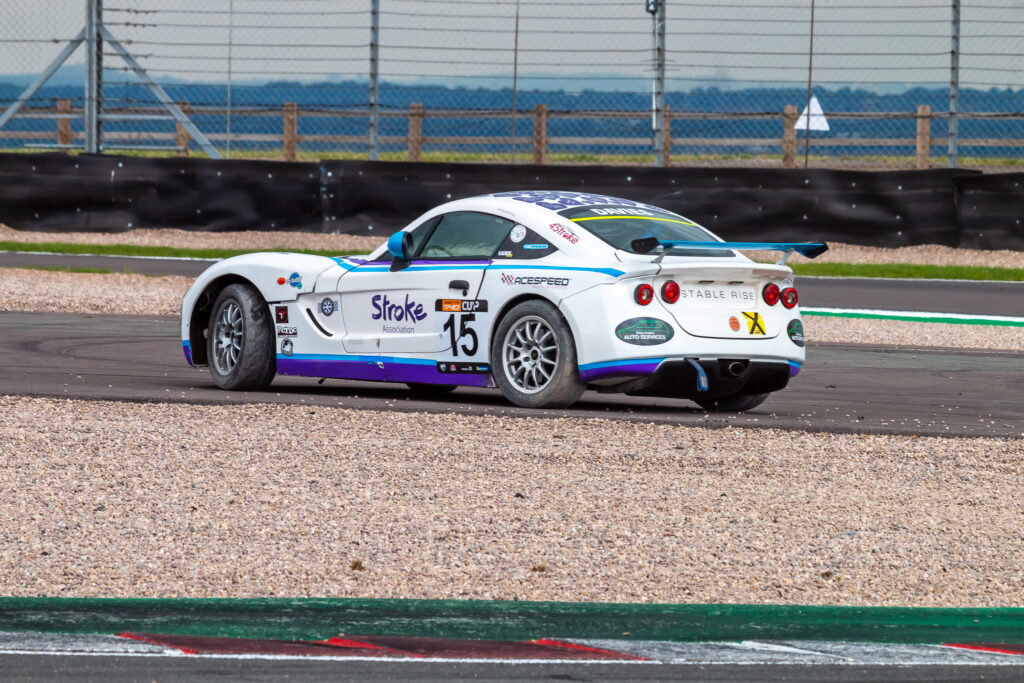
(806, 653)
(776, 647)
(332, 658)
(913, 314)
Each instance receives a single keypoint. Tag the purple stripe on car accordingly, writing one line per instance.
(624, 370)
(381, 371)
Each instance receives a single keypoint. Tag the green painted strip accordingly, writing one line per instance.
(314, 618)
(917, 319)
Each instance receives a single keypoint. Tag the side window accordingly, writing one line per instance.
(419, 235)
(466, 234)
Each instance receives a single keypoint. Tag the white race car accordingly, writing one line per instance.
(541, 294)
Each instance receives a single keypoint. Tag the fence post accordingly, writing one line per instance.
(64, 125)
(667, 145)
(415, 131)
(924, 135)
(181, 136)
(291, 125)
(540, 134)
(789, 117)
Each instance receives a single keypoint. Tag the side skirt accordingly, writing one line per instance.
(386, 369)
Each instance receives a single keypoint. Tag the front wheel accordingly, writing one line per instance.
(732, 404)
(240, 340)
(533, 357)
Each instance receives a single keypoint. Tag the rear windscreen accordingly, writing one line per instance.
(620, 225)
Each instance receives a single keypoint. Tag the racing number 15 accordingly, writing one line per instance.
(464, 331)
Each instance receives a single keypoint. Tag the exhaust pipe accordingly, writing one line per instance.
(735, 368)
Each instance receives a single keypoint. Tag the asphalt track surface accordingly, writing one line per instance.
(941, 296)
(843, 388)
(114, 669)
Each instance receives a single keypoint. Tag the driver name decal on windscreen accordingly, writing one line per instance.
(557, 201)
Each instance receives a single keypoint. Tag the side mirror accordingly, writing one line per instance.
(400, 245)
(400, 248)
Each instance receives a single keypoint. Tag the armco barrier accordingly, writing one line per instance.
(888, 209)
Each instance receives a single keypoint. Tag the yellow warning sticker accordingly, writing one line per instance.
(755, 323)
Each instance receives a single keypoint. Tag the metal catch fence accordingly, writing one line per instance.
(910, 84)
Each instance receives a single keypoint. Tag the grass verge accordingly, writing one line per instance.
(164, 252)
(319, 618)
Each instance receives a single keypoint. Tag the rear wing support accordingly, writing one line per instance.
(808, 249)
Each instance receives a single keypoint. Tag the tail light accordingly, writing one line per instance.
(789, 297)
(644, 294)
(670, 291)
(770, 294)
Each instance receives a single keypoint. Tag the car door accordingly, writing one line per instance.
(426, 306)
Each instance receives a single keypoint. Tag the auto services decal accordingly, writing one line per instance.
(644, 331)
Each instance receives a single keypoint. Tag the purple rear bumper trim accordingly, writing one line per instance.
(384, 371)
(625, 370)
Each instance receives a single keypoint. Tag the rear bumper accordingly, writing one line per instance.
(677, 378)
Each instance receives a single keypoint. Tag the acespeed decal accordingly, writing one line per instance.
(917, 316)
(536, 280)
(604, 271)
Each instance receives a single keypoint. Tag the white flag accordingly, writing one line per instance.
(818, 121)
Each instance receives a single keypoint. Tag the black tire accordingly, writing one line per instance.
(732, 404)
(242, 332)
(431, 389)
(520, 363)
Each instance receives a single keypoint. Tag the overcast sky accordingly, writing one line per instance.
(584, 44)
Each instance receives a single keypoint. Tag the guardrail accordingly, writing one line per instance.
(790, 144)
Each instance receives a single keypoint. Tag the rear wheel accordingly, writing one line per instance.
(240, 340)
(533, 357)
(732, 403)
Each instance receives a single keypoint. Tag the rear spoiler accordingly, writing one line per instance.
(808, 249)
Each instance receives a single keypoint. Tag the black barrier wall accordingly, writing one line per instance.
(888, 209)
